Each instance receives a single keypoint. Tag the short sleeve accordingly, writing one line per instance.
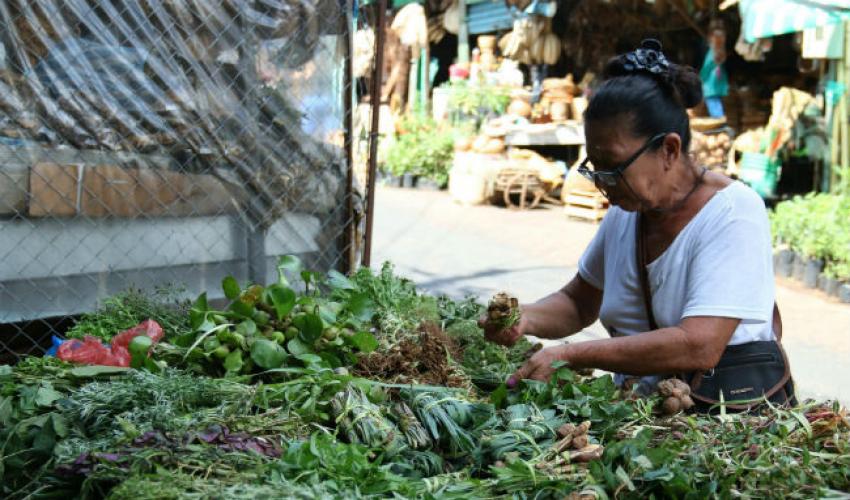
(591, 265)
(731, 269)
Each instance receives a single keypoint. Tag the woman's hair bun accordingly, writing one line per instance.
(687, 84)
(648, 59)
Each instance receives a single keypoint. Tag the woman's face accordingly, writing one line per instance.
(610, 146)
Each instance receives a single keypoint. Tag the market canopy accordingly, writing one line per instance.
(767, 18)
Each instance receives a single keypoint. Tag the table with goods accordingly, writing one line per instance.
(333, 386)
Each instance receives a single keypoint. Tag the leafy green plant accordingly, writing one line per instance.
(423, 147)
(476, 102)
(816, 226)
(269, 327)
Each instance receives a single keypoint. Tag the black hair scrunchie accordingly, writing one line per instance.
(648, 58)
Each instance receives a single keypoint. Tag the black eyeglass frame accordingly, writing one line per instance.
(608, 178)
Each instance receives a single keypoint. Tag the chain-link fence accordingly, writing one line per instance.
(154, 142)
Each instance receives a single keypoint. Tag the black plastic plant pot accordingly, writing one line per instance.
(427, 184)
(799, 267)
(844, 293)
(393, 180)
(409, 181)
(831, 286)
(813, 270)
(784, 262)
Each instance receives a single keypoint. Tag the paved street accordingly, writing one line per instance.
(448, 248)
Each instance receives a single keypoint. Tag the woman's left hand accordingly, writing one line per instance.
(539, 367)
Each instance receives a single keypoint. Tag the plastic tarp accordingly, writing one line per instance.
(247, 91)
(767, 18)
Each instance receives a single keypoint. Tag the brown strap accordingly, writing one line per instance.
(640, 246)
(777, 323)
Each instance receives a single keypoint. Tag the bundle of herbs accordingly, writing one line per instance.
(127, 309)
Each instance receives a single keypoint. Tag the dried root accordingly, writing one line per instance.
(574, 446)
(677, 396)
(587, 454)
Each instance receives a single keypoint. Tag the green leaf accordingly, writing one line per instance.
(267, 354)
(331, 359)
(5, 373)
(662, 474)
(339, 281)
(643, 461)
(96, 371)
(185, 340)
(198, 312)
(330, 311)
(296, 347)
(307, 277)
(499, 397)
(247, 328)
(233, 361)
(311, 360)
(289, 263)
(46, 396)
(283, 299)
(311, 328)
(60, 426)
(242, 309)
(206, 325)
(231, 288)
(624, 478)
(6, 408)
(152, 366)
(45, 440)
(201, 303)
(361, 306)
(364, 341)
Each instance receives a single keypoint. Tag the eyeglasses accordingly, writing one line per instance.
(606, 179)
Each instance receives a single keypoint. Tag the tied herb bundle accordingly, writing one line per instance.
(503, 311)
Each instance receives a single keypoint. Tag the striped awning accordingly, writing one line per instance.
(767, 18)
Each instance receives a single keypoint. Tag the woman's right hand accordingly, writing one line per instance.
(503, 336)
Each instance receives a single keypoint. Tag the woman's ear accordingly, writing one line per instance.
(671, 149)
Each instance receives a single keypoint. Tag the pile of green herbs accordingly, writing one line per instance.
(185, 428)
(121, 433)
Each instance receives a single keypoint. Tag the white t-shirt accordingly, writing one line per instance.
(720, 264)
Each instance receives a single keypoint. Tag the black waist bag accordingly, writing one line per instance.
(746, 375)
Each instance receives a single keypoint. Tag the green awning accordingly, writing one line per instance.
(767, 18)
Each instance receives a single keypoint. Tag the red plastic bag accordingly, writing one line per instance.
(148, 327)
(91, 352)
(87, 351)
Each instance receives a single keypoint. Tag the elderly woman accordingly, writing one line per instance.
(680, 272)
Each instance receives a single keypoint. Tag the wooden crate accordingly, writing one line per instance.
(585, 205)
